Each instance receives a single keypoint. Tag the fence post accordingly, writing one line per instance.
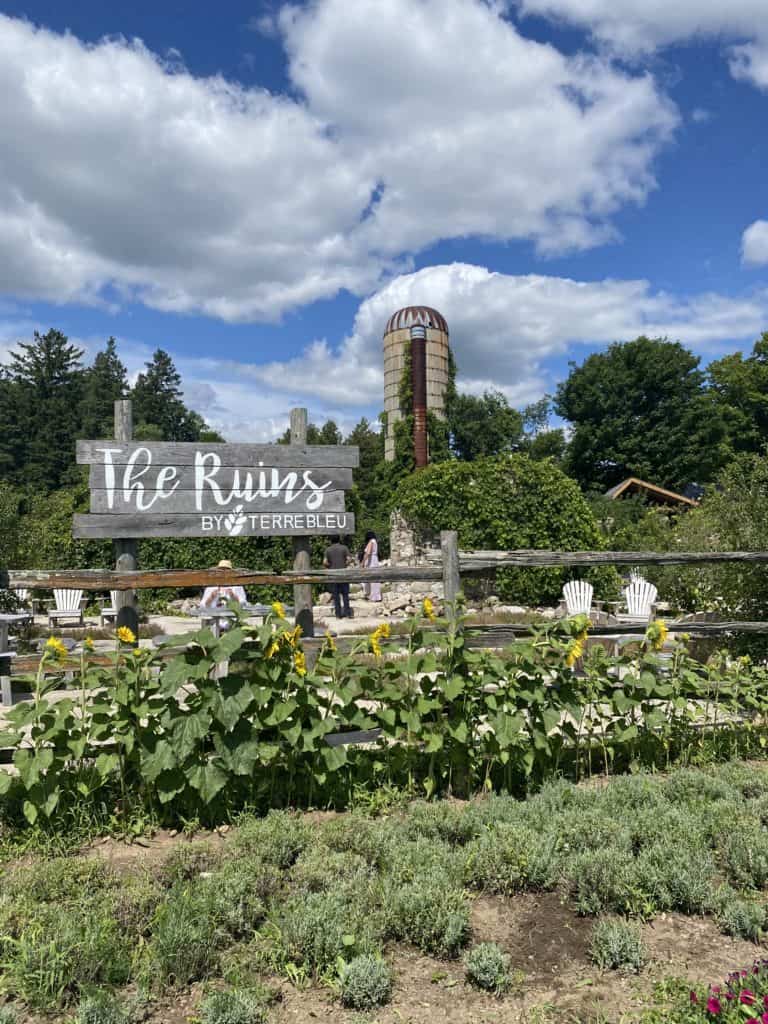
(302, 546)
(5, 666)
(449, 548)
(126, 551)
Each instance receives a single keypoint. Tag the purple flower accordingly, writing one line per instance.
(713, 1006)
(695, 998)
(765, 1002)
(747, 997)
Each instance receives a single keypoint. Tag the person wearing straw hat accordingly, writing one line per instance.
(217, 597)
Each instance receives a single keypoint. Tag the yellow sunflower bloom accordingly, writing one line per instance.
(279, 609)
(329, 643)
(126, 635)
(380, 633)
(429, 609)
(55, 647)
(292, 636)
(300, 662)
(88, 644)
(656, 634)
(575, 651)
(273, 648)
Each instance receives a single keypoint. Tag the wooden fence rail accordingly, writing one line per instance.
(470, 563)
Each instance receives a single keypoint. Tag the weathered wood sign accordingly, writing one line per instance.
(206, 490)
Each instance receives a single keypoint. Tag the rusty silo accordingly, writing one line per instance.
(422, 332)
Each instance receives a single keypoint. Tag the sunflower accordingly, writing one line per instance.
(126, 635)
(429, 609)
(89, 645)
(575, 650)
(55, 647)
(279, 609)
(329, 643)
(656, 634)
(300, 662)
(380, 633)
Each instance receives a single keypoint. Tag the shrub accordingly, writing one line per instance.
(354, 833)
(617, 945)
(183, 947)
(235, 1006)
(487, 967)
(319, 868)
(319, 927)
(440, 820)
(101, 1008)
(744, 847)
(428, 912)
(366, 982)
(499, 860)
(276, 839)
(739, 916)
(188, 861)
(506, 502)
(676, 876)
(8, 1015)
(601, 880)
(59, 950)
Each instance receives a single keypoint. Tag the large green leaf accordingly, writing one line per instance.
(159, 757)
(208, 779)
(188, 730)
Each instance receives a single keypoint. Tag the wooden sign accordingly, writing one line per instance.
(207, 490)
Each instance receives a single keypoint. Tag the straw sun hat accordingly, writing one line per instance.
(224, 564)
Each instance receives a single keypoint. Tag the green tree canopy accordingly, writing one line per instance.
(485, 425)
(105, 381)
(502, 503)
(159, 411)
(642, 409)
(45, 384)
(741, 387)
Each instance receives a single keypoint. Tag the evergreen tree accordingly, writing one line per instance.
(105, 382)
(158, 408)
(48, 378)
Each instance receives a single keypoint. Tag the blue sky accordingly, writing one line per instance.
(256, 186)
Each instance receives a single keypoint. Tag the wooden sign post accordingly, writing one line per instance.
(196, 489)
(302, 547)
(126, 549)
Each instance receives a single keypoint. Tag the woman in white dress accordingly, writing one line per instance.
(371, 591)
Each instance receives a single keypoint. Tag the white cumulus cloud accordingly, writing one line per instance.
(633, 27)
(754, 243)
(126, 177)
(504, 328)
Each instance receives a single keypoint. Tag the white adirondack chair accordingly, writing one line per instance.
(68, 606)
(640, 597)
(635, 576)
(577, 595)
(109, 611)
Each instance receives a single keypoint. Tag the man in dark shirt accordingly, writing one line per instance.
(337, 557)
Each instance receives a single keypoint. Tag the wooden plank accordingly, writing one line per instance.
(186, 502)
(106, 579)
(274, 524)
(183, 453)
(485, 561)
(126, 550)
(449, 546)
(302, 546)
(332, 479)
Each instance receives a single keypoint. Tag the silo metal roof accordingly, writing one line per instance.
(410, 315)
